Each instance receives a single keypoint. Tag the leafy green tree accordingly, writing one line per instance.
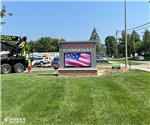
(135, 44)
(146, 42)
(139, 47)
(3, 13)
(134, 38)
(45, 44)
(130, 44)
(100, 48)
(121, 47)
(111, 43)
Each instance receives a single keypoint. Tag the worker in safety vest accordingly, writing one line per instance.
(21, 46)
(22, 42)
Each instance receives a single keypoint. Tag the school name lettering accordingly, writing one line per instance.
(74, 46)
(77, 50)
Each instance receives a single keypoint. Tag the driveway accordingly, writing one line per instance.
(145, 65)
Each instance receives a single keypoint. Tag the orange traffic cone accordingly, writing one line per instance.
(29, 66)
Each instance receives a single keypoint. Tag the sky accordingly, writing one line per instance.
(73, 21)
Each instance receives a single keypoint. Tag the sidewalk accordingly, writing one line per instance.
(144, 67)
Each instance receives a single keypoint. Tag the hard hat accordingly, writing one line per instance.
(24, 38)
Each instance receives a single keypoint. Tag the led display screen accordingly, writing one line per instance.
(77, 59)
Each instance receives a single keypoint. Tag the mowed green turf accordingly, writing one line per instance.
(42, 99)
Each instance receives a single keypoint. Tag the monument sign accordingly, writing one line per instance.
(77, 58)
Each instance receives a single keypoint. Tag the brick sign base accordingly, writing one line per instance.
(77, 72)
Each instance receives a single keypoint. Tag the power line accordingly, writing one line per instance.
(139, 26)
(142, 28)
(135, 27)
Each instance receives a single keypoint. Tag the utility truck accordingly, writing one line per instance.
(14, 60)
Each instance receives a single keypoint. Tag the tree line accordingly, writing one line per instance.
(111, 47)
(45, 44)
(135, 43)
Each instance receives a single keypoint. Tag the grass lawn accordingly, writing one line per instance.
(103, 65)
(130, 62)
(122, 60)
(114, 99)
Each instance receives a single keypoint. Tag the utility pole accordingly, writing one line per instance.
(149, 7)
(116, 44)
(125, 20)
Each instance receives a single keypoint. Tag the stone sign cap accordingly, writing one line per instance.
(76, 42)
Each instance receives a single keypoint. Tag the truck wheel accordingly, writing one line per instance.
(5, 68)
(18, 67)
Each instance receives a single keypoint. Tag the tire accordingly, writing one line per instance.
(5, 68)
(18, 68)
(41, 63)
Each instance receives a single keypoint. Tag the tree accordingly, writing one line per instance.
(139, 47)
(121, 46)
(134, 38)
(146, 42)
(135, 44)
(100, 48)
(110, 43)
(45, 44)
(3, 13)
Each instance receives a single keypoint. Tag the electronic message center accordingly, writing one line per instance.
(77, 58)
